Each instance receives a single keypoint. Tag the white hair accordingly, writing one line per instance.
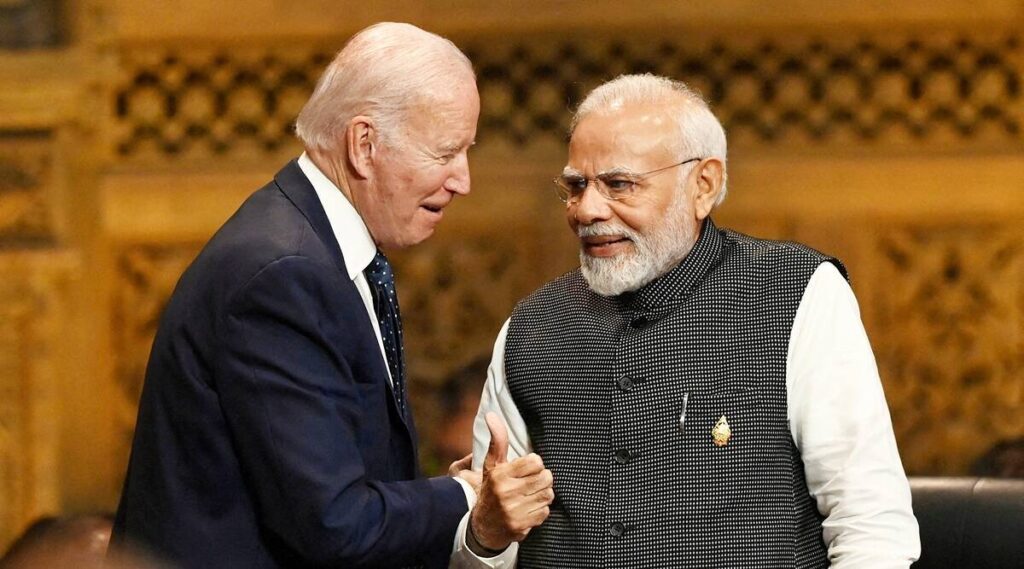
(700, 133)
(383, 72)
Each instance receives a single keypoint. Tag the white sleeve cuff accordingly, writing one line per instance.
(464, 558)
(468, 490)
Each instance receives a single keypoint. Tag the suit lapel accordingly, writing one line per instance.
(298, 189)
(294, 184)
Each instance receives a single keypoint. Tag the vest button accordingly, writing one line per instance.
(625, 383)
(623, 456)
(617, 529)
(639, 321)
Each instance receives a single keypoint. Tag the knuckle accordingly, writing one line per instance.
(547, 477)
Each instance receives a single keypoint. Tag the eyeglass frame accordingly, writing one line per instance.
(565, 194)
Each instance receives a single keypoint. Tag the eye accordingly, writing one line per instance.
(575, 184)
(445, 158)
(619, 184)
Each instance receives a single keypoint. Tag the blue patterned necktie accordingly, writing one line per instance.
(385, 302)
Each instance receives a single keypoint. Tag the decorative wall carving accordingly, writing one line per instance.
(146, 274)
(32, 289)
(949, 337)
(908, 88)
(25, 187)
(455, 296)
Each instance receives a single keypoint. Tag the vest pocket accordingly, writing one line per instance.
(723, 439)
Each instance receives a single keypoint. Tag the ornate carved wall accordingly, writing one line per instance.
(895, 142)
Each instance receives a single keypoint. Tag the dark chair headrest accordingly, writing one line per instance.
(969, 522)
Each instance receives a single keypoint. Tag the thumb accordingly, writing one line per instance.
(497, 450)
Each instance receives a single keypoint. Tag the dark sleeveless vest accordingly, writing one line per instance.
(621, 395)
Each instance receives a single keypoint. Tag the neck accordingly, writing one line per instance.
(333, 169)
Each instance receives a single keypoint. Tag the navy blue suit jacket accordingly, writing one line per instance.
(267, 434)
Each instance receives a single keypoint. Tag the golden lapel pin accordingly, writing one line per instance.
(721, 433)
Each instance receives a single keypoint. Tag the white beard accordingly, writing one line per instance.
(653, 254)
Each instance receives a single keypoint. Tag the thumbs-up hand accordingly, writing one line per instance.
(513, 498)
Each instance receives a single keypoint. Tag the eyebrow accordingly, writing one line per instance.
(455, 146)
(618, 171)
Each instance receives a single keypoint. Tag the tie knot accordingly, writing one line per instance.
(379, 270)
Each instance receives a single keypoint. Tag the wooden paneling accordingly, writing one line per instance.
(893, 139)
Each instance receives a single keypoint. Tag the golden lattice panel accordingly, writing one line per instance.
(907, 88)
(949, 337)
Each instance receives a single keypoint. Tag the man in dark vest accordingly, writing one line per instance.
(702, 398)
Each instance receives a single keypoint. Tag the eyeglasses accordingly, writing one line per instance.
(614, 185)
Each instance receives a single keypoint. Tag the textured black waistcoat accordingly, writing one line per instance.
(603, 384)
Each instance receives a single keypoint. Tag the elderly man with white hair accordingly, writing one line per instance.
(703, 398)
(274, 428)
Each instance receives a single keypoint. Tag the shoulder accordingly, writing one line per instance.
(566, 286)
(560, 300)
(266, 233)
(741, 249)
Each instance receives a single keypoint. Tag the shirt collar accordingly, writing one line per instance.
(357, 246)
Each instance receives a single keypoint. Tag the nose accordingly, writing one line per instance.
(458, 180)
(591, 207)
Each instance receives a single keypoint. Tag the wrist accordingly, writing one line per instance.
(474, 545)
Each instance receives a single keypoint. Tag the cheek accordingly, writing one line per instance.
(639, 219)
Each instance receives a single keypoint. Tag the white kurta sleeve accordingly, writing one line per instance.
(841, 425)
(495, 398)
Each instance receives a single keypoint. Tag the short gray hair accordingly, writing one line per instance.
(701, 135)
(382, 72)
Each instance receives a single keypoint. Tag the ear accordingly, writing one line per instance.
(361, 143)
(710, 175)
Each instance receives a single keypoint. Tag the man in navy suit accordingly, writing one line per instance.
(273, 429)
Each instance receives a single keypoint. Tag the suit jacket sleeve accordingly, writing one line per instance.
(293, 408)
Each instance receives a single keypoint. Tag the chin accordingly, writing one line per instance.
(418, 237)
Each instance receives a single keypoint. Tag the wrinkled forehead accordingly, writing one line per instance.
(635, 138)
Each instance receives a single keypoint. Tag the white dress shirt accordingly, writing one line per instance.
(358, 249)
(838, 419)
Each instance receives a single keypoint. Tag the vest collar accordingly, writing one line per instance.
(676, 284)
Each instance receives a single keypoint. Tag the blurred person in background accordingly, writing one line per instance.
(72, 542)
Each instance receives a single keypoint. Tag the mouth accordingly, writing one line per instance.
(604, 245)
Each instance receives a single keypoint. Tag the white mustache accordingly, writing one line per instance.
(600, 229)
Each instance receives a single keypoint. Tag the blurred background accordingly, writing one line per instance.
(890, 134)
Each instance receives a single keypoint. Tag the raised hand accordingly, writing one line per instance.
(513, 497)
